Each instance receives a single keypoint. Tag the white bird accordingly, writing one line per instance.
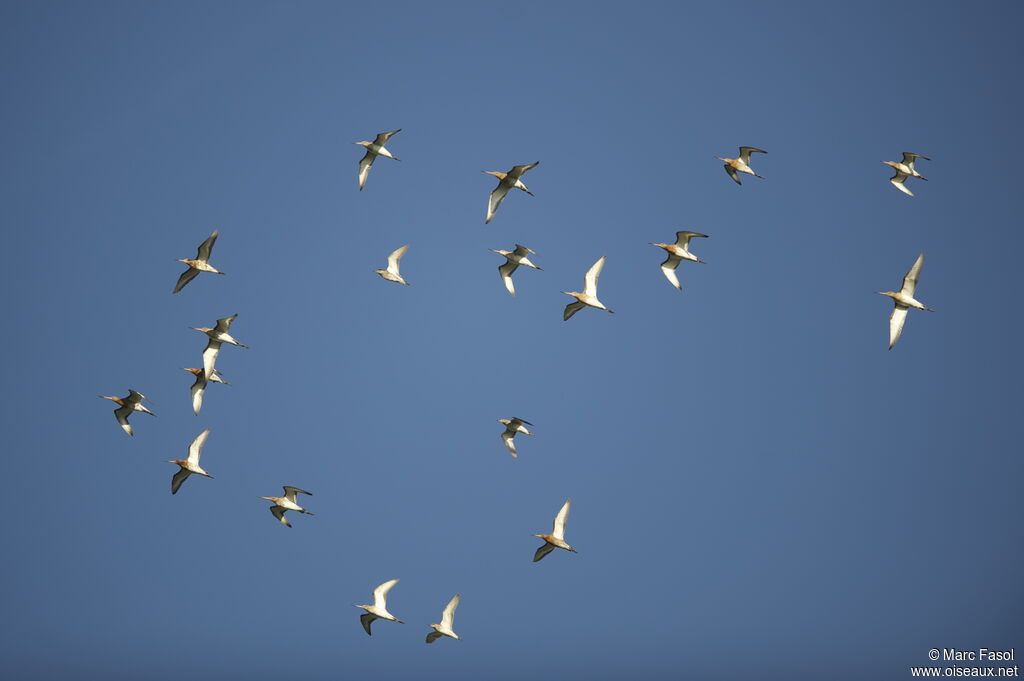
(506, 181)
(199, 385)
(217, 335)
(379, 609)
(513, 259)
(557, 537)
(513, 426)
(589, 295)
(287, 503)
(678, 252)
(200, 264)
(741, 164)
(445, 627)
(190, 465)
(126, 405)
(373, 150)
(904, 300)
(905, 169)
(391, 273)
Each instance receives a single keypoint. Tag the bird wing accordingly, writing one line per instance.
(380, 594)
(572, 308)
(523, 250)
(279, 514)
(559, 528)
(896, 320)
(135, 397)
(448, 614)
(543, 551)
(507, 438)
(683, 238)
(364, 169)
(383, 137)
(367, 619)
(732, 173)
(897, 181)
(519, 171)
(204, 248)
(909, 156)
(186, 276)
(290, 492)
(517, 422)
(506, 271)
(668, 268)
(495, 199)
(179, 477)
(210, 356)
(910, 280)
(224, 324)
(590, 279)
(746, 151)
(196, 448)
(197, 392)
(121, 414)
(433, 636)
(395, 257)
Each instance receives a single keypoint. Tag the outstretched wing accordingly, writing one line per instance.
(121, 414)
(198, 388)
(896, 321)
(746, 151)
(543, 551)
(210, 356)
(732, 173)
(668, 268)
(495, 199)
(909, 156)
(395, 257)
(448, 614)
(179, 477)
(572, 308)
(380, 594)
(381, 139)
(559, 528)
(186, 276)
(290, 492)
(910, 280)
(195, 449)
(508, 437)
(364, 169)
(897, 181)
(224, 324)
(506, 271)
(279, 514)
(433, 636)
(367, 619)
(207, 246)
(590, 279)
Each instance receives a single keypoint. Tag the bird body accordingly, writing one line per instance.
(741, 164)
(903, 300)
(513, 426)
(187, 467)
(513, 259)
(905, 169)
(373, 150)
(220, 333)
(392, 273)
(447, 617)
(678, 252)
(589, 295)
(379, 609)
(287, 503)
(125, 406)
(557, 537)
(506, 181)
(201, 263)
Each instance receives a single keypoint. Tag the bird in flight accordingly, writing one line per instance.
(513, 426)
(506, 181)
(741, 164)
(217, 336)
(555, 540)
(905, 169)
(187, 467)
(379, 609)
(199, 386)
(200, 264)
(287, 503)
(589, 295)
(373, 150)
(445, 627)
(903, 300)
(126, 405)
(513, 259)
(678, 252)
(392, 273)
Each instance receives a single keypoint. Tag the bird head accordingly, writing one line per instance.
(363, 144)
(500, 176)
(203, 329)
(113, 399)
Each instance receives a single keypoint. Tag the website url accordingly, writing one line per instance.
(965, 671)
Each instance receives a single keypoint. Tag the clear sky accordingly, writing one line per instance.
(760, 489)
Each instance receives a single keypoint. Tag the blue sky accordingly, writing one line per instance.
(760, 489)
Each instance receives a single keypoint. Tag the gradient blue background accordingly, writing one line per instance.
(760, 489)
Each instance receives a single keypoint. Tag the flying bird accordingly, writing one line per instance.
(445, 627)
(589, 295)
(391, 273)
(200, 264)
(379, 609)
(187, 467)
(555, 540)
(199, 386)
(506, 181)
(126, 405)
(217, 335)
(741, 164)
(373, 150)
(287, 503)
(904, 300)
(905, 169)
(678, 252)
(513, 259)
(513, 426)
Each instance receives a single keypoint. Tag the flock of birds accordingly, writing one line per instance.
(678, 251)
